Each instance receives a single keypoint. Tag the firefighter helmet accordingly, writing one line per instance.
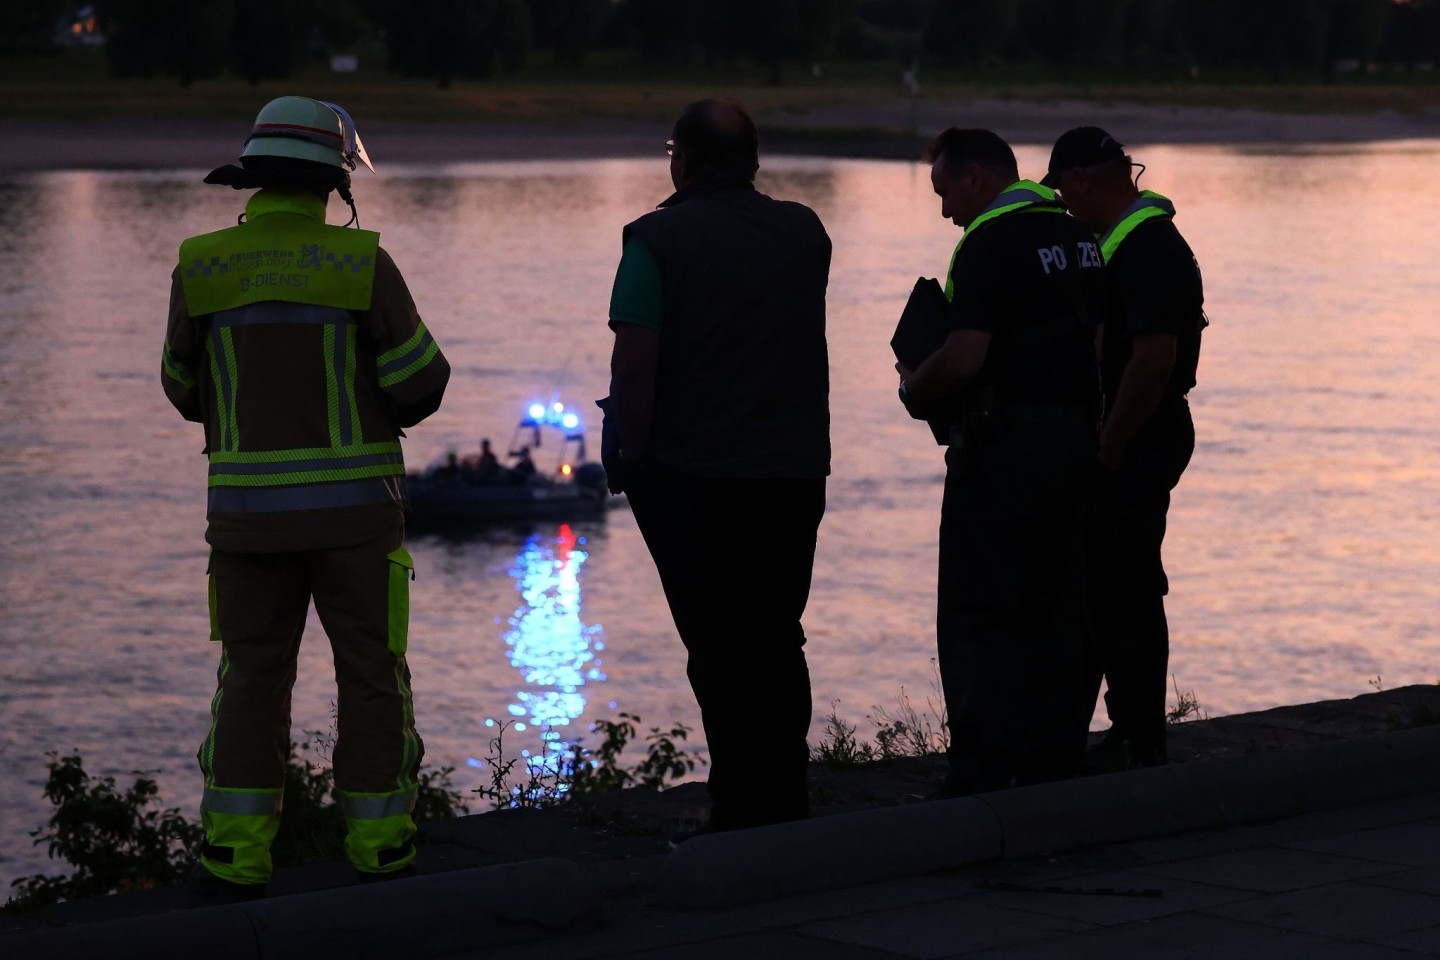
(305, 129)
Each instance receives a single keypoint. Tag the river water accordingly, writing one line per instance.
(1303, 550)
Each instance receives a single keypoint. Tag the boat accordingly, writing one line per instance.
(476, 489)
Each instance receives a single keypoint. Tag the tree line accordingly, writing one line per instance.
(1298, 40)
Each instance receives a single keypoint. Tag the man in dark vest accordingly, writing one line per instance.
(720, 391)
(296, 344)
(1019, 361)
(1150, 351)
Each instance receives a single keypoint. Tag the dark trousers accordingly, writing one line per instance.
(735, 557)
(1010, 608)
(1129, 639)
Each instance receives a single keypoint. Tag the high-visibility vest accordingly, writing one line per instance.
(1022, 196)
(283, 251)
(1148, 206)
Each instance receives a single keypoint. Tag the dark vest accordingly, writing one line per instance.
(742, 386)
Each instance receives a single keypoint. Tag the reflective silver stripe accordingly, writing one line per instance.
(295, 466)
(373, 807)
(1020, 195)
(281, 311)
(310, 496)
(241, 803)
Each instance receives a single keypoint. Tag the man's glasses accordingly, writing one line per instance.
(669, 148)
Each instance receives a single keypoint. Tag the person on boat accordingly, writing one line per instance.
(524, 467)
(1149, 354)
(449, 471)
(298, 347)
(720, 389)
(487, 466)
(1026, 295)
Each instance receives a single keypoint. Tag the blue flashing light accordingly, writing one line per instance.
(559, 407)
(537, 411)
(519, 726)
(489, 722)
(570, 421)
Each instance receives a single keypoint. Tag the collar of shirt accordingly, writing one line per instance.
(273, 200)
(704, 187)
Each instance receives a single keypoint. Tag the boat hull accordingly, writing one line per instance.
(435, 503)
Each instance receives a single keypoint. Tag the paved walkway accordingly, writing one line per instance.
(1317, 852)
(1361, 882)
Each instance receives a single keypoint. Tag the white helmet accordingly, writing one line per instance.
(305, 129)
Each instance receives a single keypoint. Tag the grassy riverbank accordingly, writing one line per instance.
(75, 84)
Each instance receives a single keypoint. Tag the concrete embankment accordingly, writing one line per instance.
(1248, 779)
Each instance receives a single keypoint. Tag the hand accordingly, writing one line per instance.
(910, 406)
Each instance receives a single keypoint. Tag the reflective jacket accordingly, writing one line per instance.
(299, 348)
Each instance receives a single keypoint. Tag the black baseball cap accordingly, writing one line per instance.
(1081, 147)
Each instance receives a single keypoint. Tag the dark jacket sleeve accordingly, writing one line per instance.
(412, 370)
(181, 356)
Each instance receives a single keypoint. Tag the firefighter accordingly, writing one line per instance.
(297, 344)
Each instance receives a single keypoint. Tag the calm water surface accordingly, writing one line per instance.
(1302, 551)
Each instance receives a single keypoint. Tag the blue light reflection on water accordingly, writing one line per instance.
(555, 652)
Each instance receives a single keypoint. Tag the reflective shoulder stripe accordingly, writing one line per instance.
(1147, 206)
(256, 803)
(376, 806)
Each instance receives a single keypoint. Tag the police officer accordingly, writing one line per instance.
(1150, 350)
(1025, 287)
(298, 346)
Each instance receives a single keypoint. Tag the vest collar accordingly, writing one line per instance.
(703, 187)
(274, 200)
(1147, 200)
(1021, 192)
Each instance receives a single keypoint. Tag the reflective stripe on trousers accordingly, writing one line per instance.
(259, 606)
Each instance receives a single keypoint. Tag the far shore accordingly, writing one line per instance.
(892, 129)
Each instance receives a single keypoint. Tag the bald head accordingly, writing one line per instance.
(718, 140)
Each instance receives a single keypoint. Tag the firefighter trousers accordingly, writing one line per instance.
(258, 606)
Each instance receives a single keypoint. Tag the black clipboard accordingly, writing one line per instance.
(920, 332)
